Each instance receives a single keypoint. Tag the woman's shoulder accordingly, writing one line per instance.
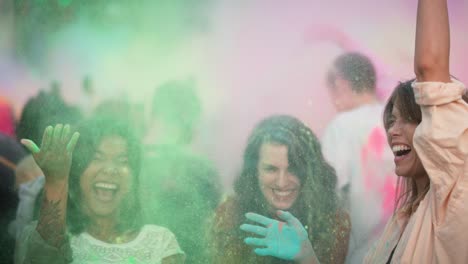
(227, 214)
(228, 203)
(343, 221)
(342, 213)
(156, 230)
(161, 238)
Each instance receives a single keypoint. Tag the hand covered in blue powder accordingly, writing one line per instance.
(286, 240)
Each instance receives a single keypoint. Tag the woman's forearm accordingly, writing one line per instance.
(431, 60)
(52, 215)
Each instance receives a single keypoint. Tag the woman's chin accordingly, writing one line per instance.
(284, 206)
(100, 211)
(401, 172)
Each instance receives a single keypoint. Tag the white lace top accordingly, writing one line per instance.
(152, 244)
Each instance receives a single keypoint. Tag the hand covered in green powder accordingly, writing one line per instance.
(55, 155)
(285, 240)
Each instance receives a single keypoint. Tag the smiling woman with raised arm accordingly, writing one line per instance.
(283, 170)
(90, 212)
(427, 128)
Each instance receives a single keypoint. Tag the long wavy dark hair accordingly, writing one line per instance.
(317, 204)
(407, 196)
(92, 132)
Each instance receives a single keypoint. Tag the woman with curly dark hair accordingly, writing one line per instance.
(90, 211)
(283, 169)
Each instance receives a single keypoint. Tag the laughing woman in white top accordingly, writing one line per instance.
(90, 211)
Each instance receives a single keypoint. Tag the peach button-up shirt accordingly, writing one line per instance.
(437, 232)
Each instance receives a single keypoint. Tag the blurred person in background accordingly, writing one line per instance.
(180, 189)
(11, 153)
(354, 143)
(385, 79)
(123, 109)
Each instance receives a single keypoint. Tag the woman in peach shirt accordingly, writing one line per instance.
(427, 129)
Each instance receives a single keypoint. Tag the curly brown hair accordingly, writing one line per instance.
(317, 204)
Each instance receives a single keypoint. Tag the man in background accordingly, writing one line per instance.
(354, 143)
(180, 189)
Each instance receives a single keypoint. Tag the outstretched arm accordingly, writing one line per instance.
(432, 51)
(54, 159)
(441, 139)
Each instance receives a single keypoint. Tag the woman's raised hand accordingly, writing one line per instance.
(55, 154)
(286, 240)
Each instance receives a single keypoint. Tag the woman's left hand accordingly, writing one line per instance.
(55, 155)
(286, 240)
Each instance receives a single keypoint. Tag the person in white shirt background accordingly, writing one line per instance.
(354, 144)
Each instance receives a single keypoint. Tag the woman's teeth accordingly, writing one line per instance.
(282, 193)
(105, 191)
(400, 150)
(106, 186)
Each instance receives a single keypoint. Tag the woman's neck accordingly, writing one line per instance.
(364, 99)
(104, 229)
(422, 183)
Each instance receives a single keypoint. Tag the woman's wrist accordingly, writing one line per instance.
(56, 190)
(308, 257)
(311, 259)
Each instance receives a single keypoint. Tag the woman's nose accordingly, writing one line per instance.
(394, 130)
(110, 168)
(282, 180)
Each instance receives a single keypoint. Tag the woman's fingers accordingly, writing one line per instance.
(253, 241)
(47, 138)
(57, 136)
(65, 134)
(258, 230)
(71, 145)
(289, 218)
(30, 145)
(263, 252)
(259, 219)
